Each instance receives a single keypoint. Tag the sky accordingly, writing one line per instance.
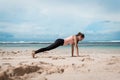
(47, 20)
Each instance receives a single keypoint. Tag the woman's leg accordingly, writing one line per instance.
(50, 47)
(56, 44)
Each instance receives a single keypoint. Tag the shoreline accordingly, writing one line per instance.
(49, 42)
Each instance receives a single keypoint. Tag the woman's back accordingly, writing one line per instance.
(69, 40)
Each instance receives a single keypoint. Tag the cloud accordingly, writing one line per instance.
(102, 27)
(77, 9)
(36, 19)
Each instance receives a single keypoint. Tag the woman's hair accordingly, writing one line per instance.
(80, 34)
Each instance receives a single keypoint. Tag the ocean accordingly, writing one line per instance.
(107, 45)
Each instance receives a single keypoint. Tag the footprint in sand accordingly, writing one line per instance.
(6, 64)
(14, 52)
(7, 58)
(84, 56)
(56, 58)
(55, 70)
(87, 59)
(113, 60)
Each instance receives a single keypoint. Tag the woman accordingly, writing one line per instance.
(73, 40)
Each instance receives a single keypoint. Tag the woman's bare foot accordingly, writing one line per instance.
(33, 54)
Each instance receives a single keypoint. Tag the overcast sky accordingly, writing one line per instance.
(42, 20)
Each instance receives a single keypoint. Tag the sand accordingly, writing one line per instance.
(92, 64)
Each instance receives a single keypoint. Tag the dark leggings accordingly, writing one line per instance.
(57, 43)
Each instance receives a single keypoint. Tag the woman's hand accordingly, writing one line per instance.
(72, 46)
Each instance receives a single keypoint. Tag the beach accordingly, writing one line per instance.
(91, 27)
(16, 63)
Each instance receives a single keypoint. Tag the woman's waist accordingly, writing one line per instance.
(68, 42)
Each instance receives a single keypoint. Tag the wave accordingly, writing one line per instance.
(105, 41)
(47, 42)
(25, 42)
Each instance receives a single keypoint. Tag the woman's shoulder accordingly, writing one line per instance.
(73, 36)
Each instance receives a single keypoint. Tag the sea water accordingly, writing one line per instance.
(107, 45)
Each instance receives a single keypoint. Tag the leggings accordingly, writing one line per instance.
(57, 43)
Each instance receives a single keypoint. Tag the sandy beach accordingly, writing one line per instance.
(90, 28)
(92, 64)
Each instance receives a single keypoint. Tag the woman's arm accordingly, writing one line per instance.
(76, 45)
(72, 46)
(77, 50)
